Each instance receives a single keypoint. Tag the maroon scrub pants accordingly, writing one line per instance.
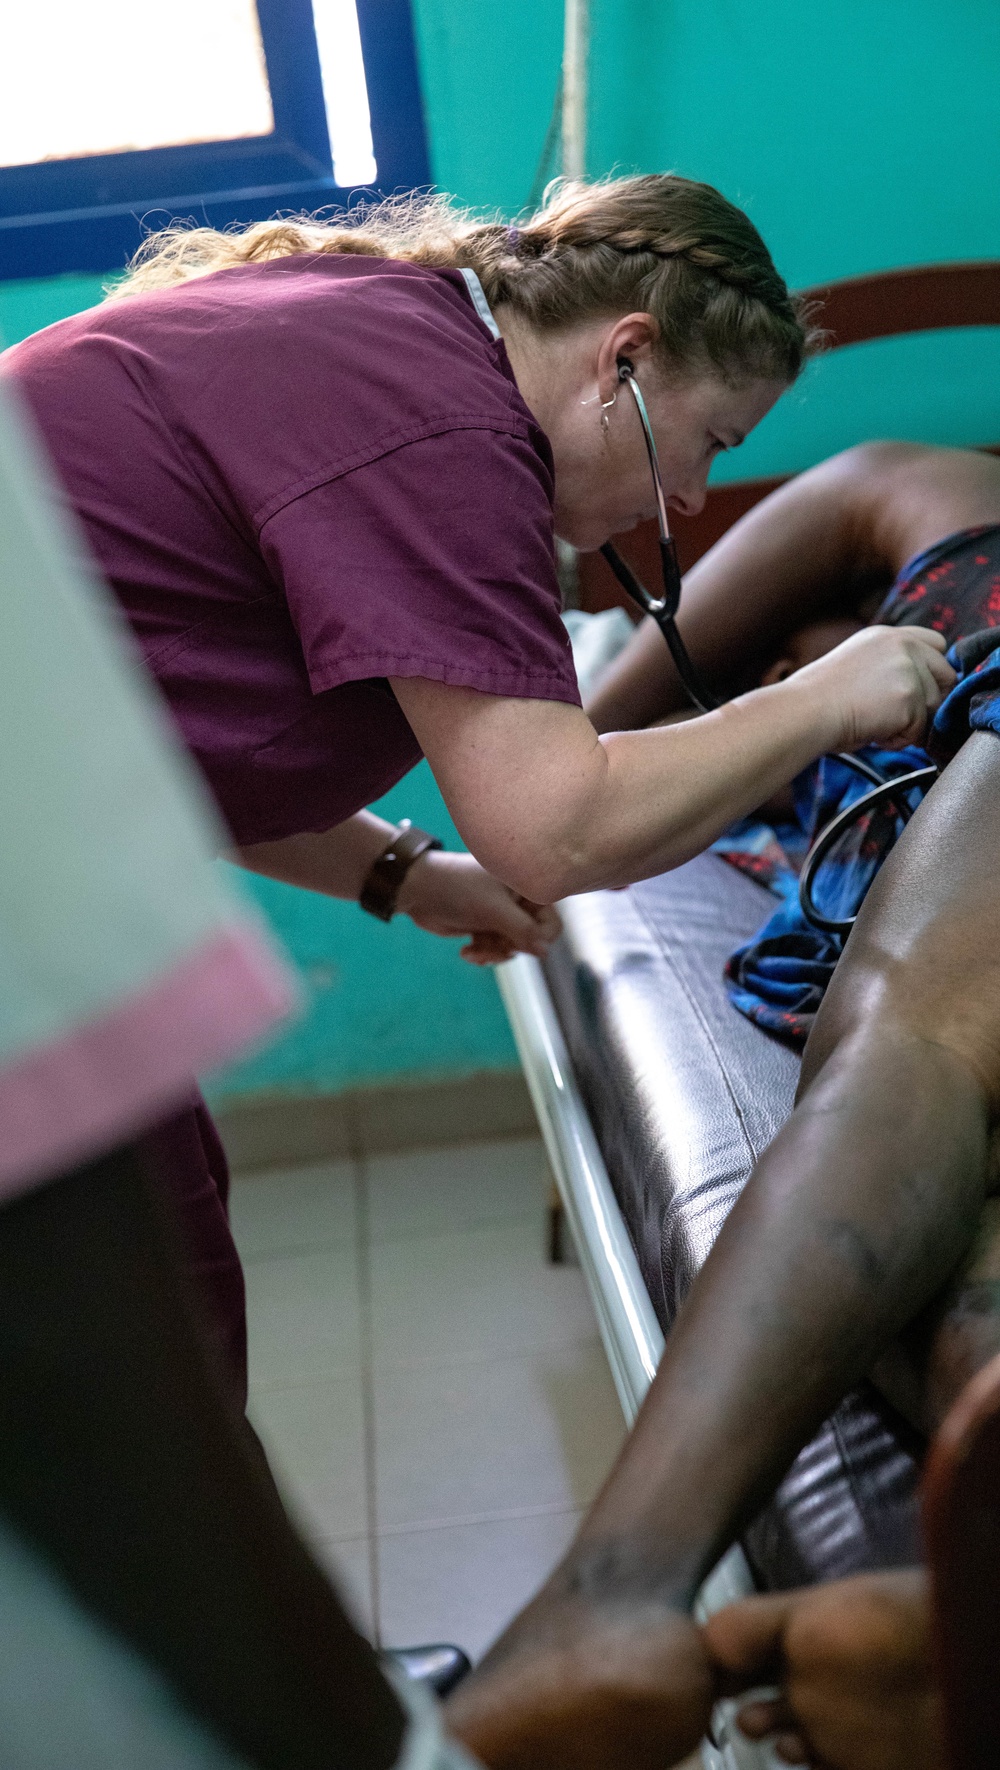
(184, 1154)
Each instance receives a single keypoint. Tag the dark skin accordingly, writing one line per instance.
(863, 1210)
(164, 1520)
(853, 1660)
(825, 547)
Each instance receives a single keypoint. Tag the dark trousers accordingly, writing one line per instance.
(186, 1156)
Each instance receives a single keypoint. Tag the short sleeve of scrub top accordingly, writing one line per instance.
(300, 478)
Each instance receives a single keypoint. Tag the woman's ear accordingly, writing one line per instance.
(630, 340)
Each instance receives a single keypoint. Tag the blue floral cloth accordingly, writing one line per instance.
(778, 980)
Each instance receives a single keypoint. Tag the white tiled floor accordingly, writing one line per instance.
(432, 1395)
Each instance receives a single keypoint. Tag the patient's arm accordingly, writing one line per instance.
(824, 545)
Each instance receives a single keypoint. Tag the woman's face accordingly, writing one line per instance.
(603, 481)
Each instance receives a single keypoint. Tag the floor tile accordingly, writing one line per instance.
(349, 1567)
(434, 1191)
(459, 1442)
(313, 1434)
(464, 1583)
(291, 1210)
(479, 1293)
(303, 1318)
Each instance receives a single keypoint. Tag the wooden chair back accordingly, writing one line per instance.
(887, 304)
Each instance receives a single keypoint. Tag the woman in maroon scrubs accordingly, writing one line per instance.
(321, 466)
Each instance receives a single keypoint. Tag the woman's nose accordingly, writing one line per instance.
(690, 499)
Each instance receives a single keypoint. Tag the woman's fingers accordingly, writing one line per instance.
(885, 682)
(546, 916)
(487, 949)
(451, 894)
(527, 927)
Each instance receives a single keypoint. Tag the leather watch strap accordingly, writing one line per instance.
(381, 888)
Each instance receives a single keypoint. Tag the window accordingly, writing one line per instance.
(115, 116)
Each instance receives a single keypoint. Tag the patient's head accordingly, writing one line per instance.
(807, 644)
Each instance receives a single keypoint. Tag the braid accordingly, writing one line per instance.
(660, 244)
(674, 247)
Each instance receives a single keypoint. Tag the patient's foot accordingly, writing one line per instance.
(853, 1663)
(573, 1684)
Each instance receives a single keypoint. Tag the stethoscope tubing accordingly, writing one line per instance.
(887, 791)
(663, 610)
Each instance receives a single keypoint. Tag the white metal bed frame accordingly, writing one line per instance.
(629, 1329)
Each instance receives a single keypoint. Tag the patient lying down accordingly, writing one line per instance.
(862, 1243)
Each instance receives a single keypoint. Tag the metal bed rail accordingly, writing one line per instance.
(630, 1332)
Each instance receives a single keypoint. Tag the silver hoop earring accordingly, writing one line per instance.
(605, 424)
(606, 404)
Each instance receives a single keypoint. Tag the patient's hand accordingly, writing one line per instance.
(569, 1687)
(853, 1663)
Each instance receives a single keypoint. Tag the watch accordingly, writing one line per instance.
(386, 874)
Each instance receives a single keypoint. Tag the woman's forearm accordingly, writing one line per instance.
(335, 862)
(552, 809)
(669, 793)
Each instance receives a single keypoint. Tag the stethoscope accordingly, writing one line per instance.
(887, 790)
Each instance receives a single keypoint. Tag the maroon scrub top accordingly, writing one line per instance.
(300, 478)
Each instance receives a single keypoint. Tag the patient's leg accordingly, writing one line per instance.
(925, 1370)
(854, 1219)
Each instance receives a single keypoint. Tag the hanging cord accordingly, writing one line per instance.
(662, 608)
(888, 793)
(546, 159)
(658, 608)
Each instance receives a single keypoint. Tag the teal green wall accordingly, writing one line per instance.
(27, 307)
(859, 135)
(382, 1002)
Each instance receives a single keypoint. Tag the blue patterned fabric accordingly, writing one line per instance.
(778, 980)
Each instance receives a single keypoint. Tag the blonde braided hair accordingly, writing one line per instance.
(659, 244)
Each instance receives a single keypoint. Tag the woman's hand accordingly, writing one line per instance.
(853, 1662)
(884, 683)
(444, 893)
(452, 894)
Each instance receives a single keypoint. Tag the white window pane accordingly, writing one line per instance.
(103, 76)
(346, 91)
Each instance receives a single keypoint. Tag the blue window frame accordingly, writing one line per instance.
(90, 214)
